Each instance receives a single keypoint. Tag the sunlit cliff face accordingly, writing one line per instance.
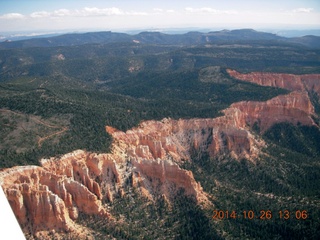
(306, 82)
(295, 107)
(52, 196)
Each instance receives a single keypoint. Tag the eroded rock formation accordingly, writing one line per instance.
(44, 200)
(309, 82)
(52, 196)
(177, 139)
(295, 107)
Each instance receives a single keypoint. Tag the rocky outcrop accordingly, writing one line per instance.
(281, 80)
(177, 139)
(312, 83)
(52, 196)
(165, 176)
(295, 107)
(231, 133)
(43, 200)
(32, 202)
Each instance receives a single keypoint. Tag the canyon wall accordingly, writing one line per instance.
(177, 139)
(309, 82)
(43, 200)
(295, 107)
(51, 196)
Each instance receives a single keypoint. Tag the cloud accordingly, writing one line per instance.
(106, 12)
(132, 13)
(56, 13)
(62, 13)
(163, 11)
(302, 10)
(12, 16)
(201, 10)
(101, 11)
(208, 10)
(40, 14)
(158, 10)
(86, 12)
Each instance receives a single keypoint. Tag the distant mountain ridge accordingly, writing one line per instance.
(190, 38)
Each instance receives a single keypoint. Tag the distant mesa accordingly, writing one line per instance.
(153, 37)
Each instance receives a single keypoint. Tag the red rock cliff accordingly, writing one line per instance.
(176, 139)
(310, 82)
(295, 107)
(43, 200)
(51, 197)
(231, 133)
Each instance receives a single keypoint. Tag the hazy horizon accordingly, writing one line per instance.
(20, 35)
(123, 15)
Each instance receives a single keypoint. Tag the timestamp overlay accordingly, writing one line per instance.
(283, 214)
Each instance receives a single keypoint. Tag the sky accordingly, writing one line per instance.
(64, 15)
